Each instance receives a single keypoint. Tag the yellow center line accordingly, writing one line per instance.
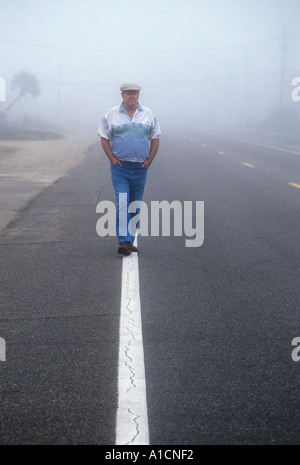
(203, 145)
(221, 153)
(294, 184)
(248, 164)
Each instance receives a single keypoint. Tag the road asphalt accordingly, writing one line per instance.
(218, 320)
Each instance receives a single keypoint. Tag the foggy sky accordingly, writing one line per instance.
(209, 63)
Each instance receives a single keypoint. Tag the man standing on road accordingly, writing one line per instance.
(130, 138)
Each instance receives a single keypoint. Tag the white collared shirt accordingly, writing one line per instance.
(129, 137)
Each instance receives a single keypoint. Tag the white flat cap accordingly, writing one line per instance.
(130, 86)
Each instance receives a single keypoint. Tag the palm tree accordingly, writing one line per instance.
(27, 84)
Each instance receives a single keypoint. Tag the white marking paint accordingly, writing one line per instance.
(258, 144)
(132, 417)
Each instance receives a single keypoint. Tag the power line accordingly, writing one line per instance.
(254, 77)
(90, 50)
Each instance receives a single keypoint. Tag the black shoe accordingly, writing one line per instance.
(124, 249)
(132, 248)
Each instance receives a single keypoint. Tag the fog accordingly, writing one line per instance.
(212, 65)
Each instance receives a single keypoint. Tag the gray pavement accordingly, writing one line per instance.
(59, 317)
(218, 320)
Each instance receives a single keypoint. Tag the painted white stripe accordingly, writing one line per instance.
(259, 144)
(132, 417)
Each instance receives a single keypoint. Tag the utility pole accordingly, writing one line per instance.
(282, 71)
(58, 97)
(2, 90)
(247, 70)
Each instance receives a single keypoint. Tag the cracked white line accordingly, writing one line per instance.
(132, 417)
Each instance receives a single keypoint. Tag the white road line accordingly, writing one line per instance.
(132, 417)
(264, 145)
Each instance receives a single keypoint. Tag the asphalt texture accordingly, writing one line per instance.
(218, 320)
(60, 303)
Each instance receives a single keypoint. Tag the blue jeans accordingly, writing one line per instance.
(129, 182)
